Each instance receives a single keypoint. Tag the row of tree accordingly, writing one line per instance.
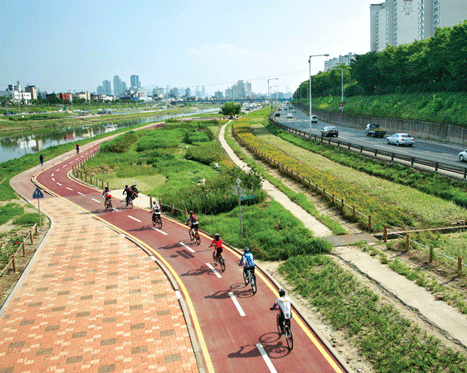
(435, 64)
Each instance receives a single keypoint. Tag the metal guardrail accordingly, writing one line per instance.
(364, 150)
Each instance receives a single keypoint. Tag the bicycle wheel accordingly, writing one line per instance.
(190, 232)
(214, 256)
(253, 284)
(198, 238)
(159, 222)
(279, 329)
(222, 262)
(130, 203)
(153, 221)
(110, 207)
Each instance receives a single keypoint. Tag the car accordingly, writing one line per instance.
(400, 139)
(329, 131)
(289, 116)
(463, 156)
(314, 119)
(278, 114)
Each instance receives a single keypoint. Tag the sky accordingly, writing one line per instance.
(70, 45)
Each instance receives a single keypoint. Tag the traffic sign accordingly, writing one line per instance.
(249, 196)
(37, 194)
(341, 105)
(236, 189)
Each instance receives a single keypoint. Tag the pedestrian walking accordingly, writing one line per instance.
(77, 148)
(41, 158)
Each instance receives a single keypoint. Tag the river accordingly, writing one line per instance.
(15, 146)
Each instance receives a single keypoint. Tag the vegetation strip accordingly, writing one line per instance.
(389, 341)
(381, 213)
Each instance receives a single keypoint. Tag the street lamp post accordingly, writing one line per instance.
(342, 87)
(268, 94)
(309, 83)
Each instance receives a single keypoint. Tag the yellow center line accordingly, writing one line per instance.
(202, 342)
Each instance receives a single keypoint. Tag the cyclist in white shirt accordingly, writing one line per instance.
(283, 302)
(155, 209)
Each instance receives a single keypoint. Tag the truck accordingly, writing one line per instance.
(372, 129)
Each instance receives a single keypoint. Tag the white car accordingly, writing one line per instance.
(463, 156)
(400, 139)
(314, 119)
(289, 116)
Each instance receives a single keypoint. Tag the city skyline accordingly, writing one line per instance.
(75, 46)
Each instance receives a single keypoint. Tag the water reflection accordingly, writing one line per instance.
(14, 146)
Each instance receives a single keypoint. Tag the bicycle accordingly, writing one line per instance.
(220, 259)
(250, 278)
(285, 328)
(157, 221)
(194, 235)
(108, 204)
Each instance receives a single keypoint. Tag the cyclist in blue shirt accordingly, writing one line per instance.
(248, 261)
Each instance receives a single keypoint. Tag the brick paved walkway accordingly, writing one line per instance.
(92, 301)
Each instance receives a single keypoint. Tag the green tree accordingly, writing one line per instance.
(231, 109)
(457, 52)
(365, 70)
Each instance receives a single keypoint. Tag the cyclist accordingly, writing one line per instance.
(247, 261)
(217, 243)
(283, 302)
(106, 194)
(134, 190)
(129, 195)
(156, 210)
(193, 220)
(77, 148)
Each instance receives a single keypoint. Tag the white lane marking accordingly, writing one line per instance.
(160, 231)
(95, 200)
(239, 308)
(59, 183)
(131, 217)
(266, 358)
(69, 188)
(153, 257)
(114, 209)
(64, 166)
(214, 270)
(57, 170)
(53, 179)
(187, 247)
(53, 174)
(179, 295)
(81, 193)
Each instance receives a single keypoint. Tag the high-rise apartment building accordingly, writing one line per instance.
(397, 22)
(107, 88)
(239, 90)
(134, 82)
(434, 14)
(333, 62)
(394, 22)
(118, 90)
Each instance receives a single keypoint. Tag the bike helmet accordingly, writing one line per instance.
(246, 249)
(106, 188)
(281, 292)
(216, 236)
(191, 212)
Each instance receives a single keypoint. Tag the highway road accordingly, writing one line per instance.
(235, 329)
(445, 153)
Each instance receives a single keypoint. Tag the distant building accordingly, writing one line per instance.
(119, 86)
(100, 90)
(107, 88)
(65, 96)
(434, 14)
(81, 95)
(219, 95)
(134, 82)
(188, 92)
(333, 62)
(32, 90)
(397, 22)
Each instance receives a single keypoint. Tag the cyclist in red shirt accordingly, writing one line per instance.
(217, 243)
(193, 220)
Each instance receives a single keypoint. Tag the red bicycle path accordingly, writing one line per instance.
(229, 341)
